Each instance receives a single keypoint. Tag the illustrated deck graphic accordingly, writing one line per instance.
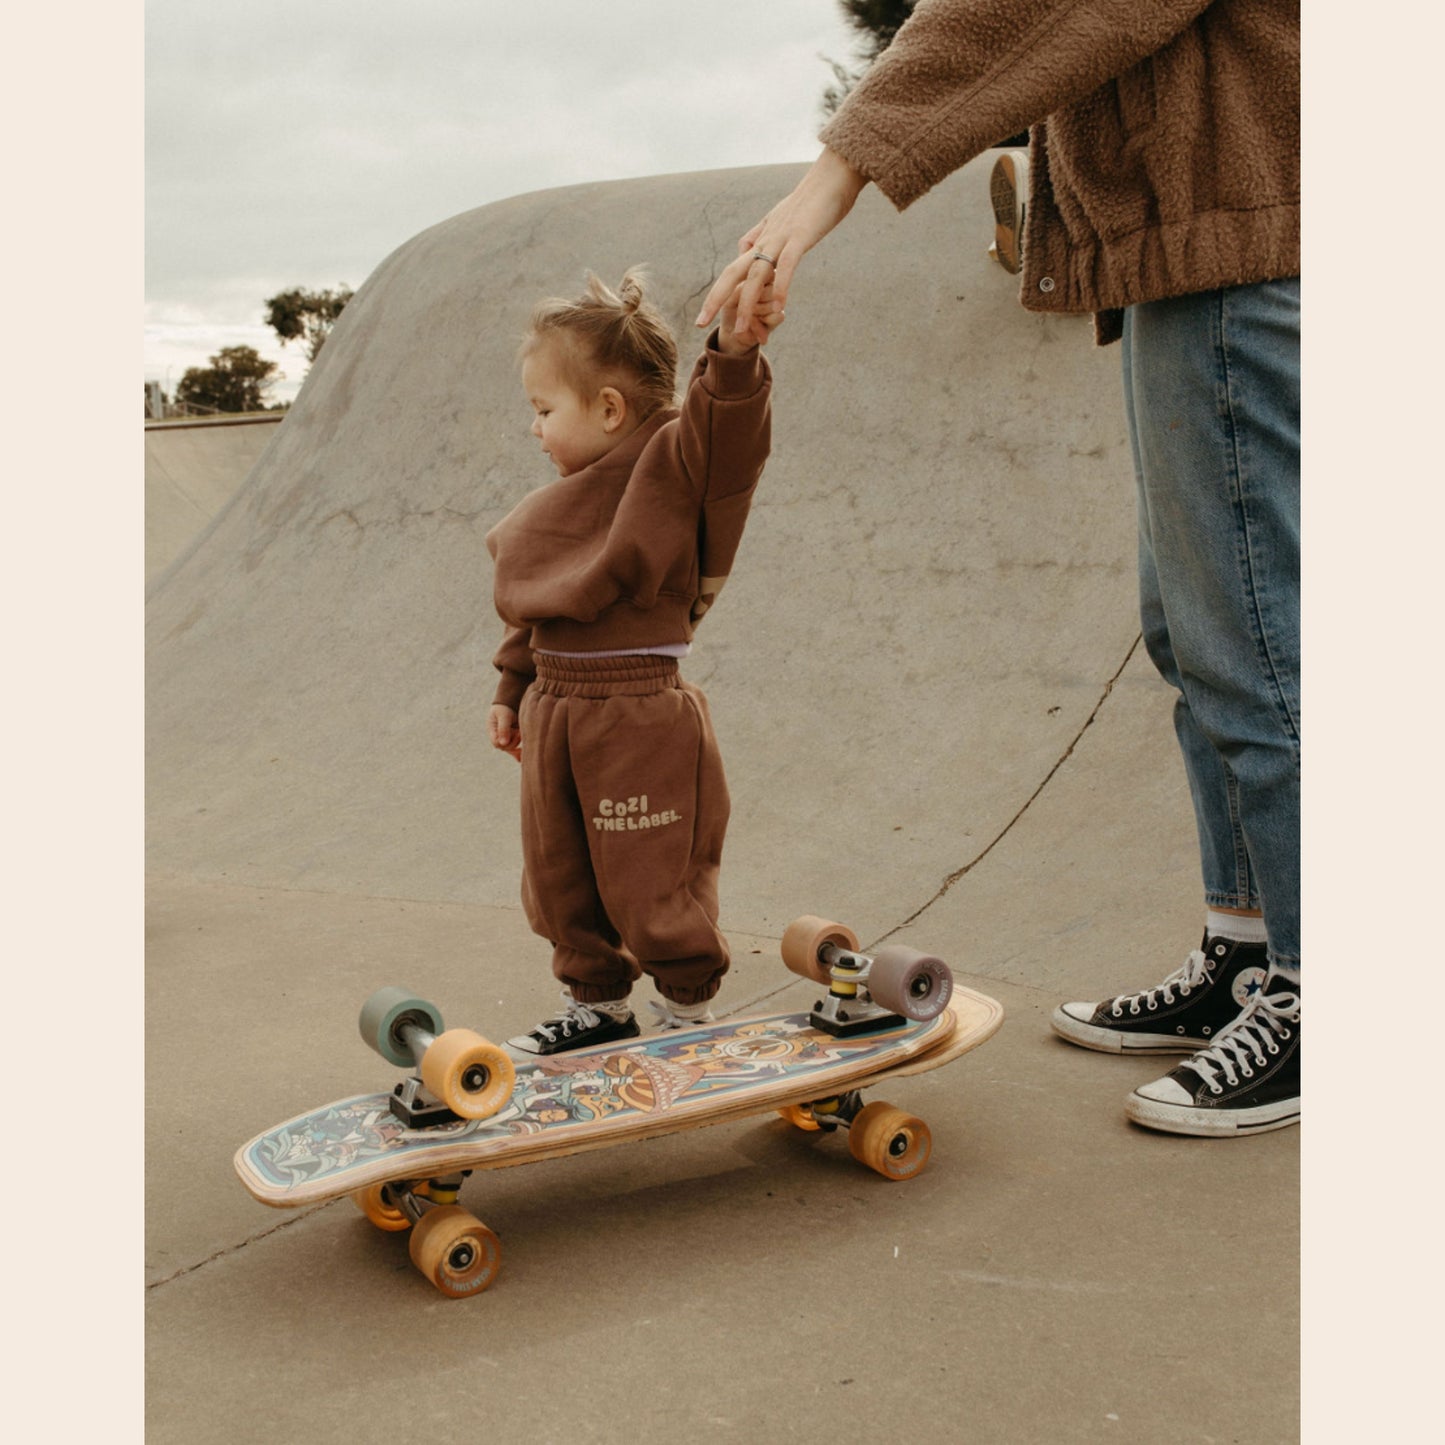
(671, 1077)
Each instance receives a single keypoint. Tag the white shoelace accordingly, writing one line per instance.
(1249, 1042)
(667, 1019)
(574, 1016)
(1184, 979)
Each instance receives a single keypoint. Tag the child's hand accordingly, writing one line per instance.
(503, 731)
(767, 317)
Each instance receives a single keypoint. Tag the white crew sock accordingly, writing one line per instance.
(690, 1011)
(1237, 927)
(619, 1009)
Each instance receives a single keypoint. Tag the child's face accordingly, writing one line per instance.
(574, 431)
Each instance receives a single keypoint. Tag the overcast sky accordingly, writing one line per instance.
(298, 143)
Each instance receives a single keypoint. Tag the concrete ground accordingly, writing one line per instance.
(938, 726)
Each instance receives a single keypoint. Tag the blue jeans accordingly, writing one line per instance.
(1211, 390)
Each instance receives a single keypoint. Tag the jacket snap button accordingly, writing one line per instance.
(1046, 284)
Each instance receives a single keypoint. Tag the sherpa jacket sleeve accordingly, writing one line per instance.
(1164, 154)
(961, 75)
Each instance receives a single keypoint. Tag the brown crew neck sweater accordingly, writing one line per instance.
(631, 551)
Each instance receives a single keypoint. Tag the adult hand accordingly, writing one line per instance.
(792, 228)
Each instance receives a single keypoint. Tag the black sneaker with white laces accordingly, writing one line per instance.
(1179, 1016)
(1246, 1082)
(575, 1026)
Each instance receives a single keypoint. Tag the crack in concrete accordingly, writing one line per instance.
(236, 1248)
(1008, 827)
(973, 863)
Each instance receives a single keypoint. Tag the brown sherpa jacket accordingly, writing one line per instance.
(1165, 142)
(631, 551)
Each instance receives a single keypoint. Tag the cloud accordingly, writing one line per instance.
(299, 143)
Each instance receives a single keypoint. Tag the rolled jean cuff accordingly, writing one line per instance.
(1214, 899)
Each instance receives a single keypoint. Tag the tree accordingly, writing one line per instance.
(236, 380)
(877, 22)
(308, 316)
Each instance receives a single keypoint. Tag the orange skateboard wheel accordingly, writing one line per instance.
(800, 1116)
(455, 1251)
(803, 939)
(895, 1144)
(472, 1077)
(375, 1203)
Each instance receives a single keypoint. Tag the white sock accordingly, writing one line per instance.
(616, 1008)
(1237, 927)
(689, 1010)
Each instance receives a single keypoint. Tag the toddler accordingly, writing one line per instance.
(601, 578)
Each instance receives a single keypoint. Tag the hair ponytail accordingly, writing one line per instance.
(629, 293)
(611, 338)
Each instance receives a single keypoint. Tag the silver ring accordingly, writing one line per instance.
(760, 256)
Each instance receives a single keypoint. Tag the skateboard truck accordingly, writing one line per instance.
(459, 1075)
(411, 1103)
(865, 993)
(848, 1007)
(839, 1111)
(415, 1199)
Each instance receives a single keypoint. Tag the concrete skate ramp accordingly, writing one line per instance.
(937, 725)
(933, 602)
(192, 470)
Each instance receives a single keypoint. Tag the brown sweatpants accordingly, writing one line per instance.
(624, 808)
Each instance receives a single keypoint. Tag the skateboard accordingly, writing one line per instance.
(402, 1157)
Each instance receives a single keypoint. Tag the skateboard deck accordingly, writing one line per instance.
(604, 1096)
(402, 1156)
(594, 1098)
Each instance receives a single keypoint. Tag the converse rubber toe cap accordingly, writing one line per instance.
(1165, 1091)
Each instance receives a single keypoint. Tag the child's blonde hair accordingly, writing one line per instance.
(610, 338)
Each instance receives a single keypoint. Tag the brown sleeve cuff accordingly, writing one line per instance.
(733, 378)
(510, 689)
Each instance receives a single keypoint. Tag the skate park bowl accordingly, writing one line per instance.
(934, 593)
(192, 469)
(939, 727)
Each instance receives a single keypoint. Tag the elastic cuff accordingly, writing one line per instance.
(703, 993)
(599, 992)
(510, 689)
(733, 378)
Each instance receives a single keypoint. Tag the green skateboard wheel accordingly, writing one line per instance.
(382, 1016)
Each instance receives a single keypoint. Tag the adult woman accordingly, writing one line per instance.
(1164, 199)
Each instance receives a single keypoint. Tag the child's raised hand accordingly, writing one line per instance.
(767, 317)
(503, 731)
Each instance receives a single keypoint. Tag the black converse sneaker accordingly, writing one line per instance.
(1246, 1082)
(1180, 1015)
(575, 1026)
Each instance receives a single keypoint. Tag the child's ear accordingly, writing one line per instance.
(614, 408)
